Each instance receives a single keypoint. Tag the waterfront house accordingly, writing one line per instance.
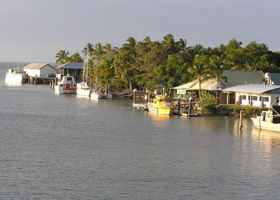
(39, 70)
(211, 85)
(237, 77)
(73, 68)
(257, 95)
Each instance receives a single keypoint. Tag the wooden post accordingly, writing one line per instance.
(146, 98)
(179, 104)
(241, 120)
(134, 96)
(190, 107)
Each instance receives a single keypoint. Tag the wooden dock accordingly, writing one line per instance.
(42, 80)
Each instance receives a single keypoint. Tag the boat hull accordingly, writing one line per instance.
(161, 111)
(263, 125)
(61, 90)
(14, 79)
(96, 95)
(85, 93)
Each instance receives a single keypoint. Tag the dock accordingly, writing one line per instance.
(42, 80)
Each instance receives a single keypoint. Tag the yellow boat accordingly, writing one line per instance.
(161, 105)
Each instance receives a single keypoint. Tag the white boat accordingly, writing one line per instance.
(14, 76)
(96, 95)
(268, 120)
(66, 86)
(83, 89)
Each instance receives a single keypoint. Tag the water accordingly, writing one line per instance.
(64, 147)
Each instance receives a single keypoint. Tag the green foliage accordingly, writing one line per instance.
(207, 102)
(147, 63)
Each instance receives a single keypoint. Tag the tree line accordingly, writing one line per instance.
(147, 64)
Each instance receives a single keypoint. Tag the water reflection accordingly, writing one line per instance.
(159, 120)
(13, 84)
(268, 139)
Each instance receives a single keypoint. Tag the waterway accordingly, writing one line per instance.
(65, 147)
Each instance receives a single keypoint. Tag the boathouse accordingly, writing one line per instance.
(39, 70)
(192, 88)
(73, 68)
(257, 95)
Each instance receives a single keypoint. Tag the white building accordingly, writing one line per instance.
(257, 95)
(39, 69)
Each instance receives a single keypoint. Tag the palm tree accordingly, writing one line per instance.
(88, 50)
(129, 50)
(216, 64)
(199, 68)
(98, 53)
(109, 51)
(169, 40)
(107, 73)
(62, 57)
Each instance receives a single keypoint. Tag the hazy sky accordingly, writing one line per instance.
(35, 30)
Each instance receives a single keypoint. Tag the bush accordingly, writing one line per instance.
(207, 102)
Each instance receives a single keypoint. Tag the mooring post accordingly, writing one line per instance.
(147, 98)
(190, 107)
(134, 96)
(241, 119)
(179, 104)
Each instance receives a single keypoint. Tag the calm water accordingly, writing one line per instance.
(64, 147)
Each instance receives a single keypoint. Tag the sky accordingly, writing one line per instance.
(35, 30)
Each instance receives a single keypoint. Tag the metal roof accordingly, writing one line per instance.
(184, 86)
(237, 77)
(210, 84)
(252, 88)
(72, 65)
(36, 66)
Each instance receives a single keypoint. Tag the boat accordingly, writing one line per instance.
(161, 105)
(66, 86)
(269, 120)
(96, 95)
(15, 75)
(82, 88)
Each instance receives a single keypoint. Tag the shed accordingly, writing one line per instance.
(258, 95)
(39, 69)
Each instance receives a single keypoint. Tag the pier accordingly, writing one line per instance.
(42, 80)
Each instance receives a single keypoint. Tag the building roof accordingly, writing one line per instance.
(72, 65)
(184, 86)
(275, 78)
(252, 88)
(236, 77)
(210, 84)
(36, 66)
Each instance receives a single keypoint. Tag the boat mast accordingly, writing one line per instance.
(87, 65)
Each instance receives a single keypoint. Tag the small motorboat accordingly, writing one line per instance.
(66, 86)
(161, 105)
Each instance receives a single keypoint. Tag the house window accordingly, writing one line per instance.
(244, 97)
(254, 98)
(266, 99)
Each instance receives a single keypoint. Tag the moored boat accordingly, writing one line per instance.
(15, 75)
(96, 95)
(161, 105)
(66, 86)
(269, 120)
(83, 89)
